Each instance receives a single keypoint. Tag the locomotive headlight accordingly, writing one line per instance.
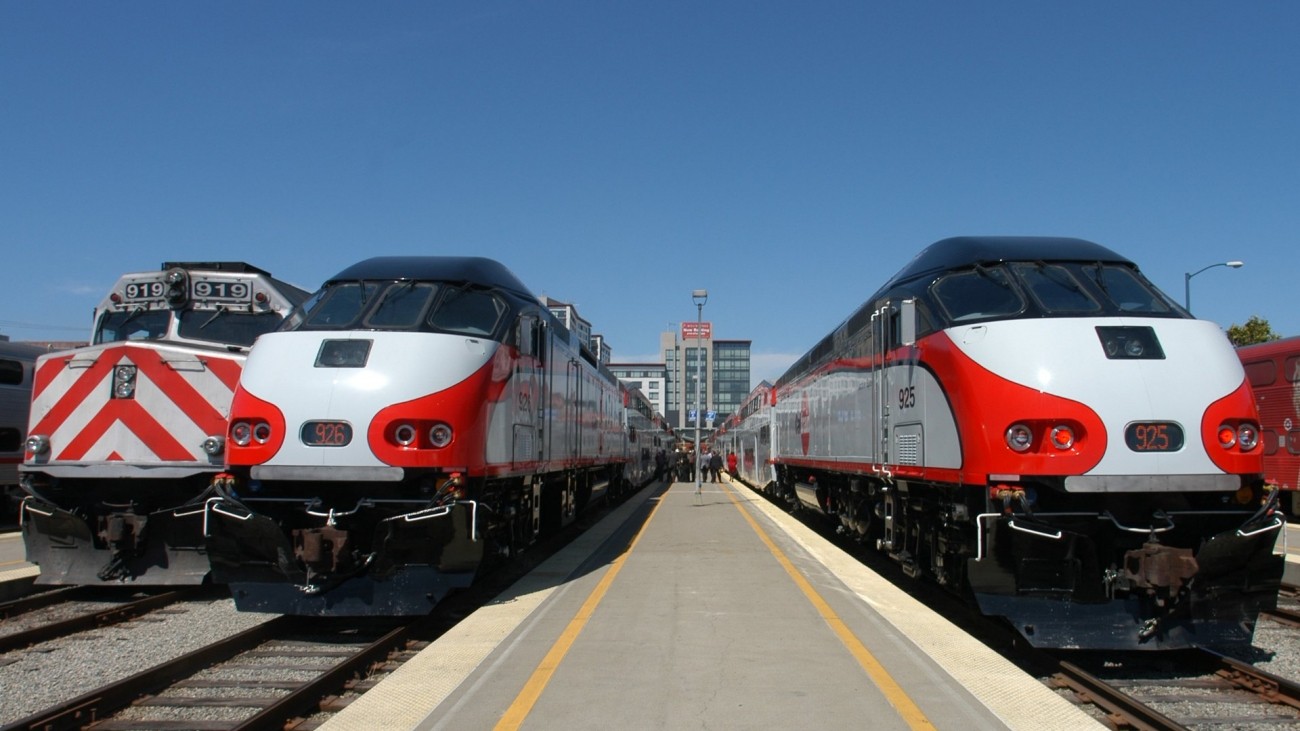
(404, 434)
(1019, 437)
(37, 444)
(242, 433)
(124, 381)
(1247, 437)
(440, 435)
(261, 432)
(1227, 436)
(1062, 437)
(214, 445)
(1134, 348)
(178, 284)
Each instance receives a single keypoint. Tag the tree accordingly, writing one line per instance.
(1256, 330)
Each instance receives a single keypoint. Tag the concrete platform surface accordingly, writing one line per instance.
(710, 611)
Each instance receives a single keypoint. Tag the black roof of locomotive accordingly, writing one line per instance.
(468, 269)
(963, 252)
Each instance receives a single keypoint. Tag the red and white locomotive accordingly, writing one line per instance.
(126, 433)
(417, 417)
(1032, 421)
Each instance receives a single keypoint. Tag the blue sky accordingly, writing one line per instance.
(788, 157)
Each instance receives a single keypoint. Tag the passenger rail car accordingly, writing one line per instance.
(418, 417)
(748, 434)
(17, 364)
(647, 435)
(127, 432)
(1273, 369)
(1032, 421)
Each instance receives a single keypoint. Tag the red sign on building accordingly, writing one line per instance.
(697, 330)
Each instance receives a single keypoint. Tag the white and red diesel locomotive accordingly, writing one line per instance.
(1030, 420)
(417, 417)
(126, 433)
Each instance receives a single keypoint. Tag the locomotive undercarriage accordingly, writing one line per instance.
(1130, 571)
(315, 548)
(111, 532)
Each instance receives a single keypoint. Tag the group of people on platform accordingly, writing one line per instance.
(684, 464)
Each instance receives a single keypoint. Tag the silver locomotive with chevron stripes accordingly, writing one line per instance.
(126, 433)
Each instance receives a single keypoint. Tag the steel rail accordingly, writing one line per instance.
(104, 701)
(92, 620)
(1123, 710)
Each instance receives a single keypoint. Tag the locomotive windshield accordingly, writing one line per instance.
(136, 324)
(223, 326)
(231, 327)
(402, 305)
(1041, 289)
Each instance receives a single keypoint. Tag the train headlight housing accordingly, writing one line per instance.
(1227, 436)
(124, 381)
(440, 435)
(241, 433)
(1019, 437)
(37, 444)
(178, 286)
(214, 445)
(405, 434)
(1247, 437)
(261, 432)
(1062, 437)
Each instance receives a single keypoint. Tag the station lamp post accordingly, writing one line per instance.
(699, 296)
(1187, 280)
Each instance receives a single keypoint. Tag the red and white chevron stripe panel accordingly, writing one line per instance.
(181, 397)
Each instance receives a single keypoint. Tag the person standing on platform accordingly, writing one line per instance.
(731, 464)
(715, 466)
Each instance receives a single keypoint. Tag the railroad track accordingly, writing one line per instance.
(1220, 692)
(252, 680)
(83, 621)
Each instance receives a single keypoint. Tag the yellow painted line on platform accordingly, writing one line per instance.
(907, 709)
(527, 698)
(12, 563)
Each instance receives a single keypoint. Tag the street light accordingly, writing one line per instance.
(1187, 280)
(699, 296)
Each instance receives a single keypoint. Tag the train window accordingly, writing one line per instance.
(467, 311)
(341, 305)
(1055, 288)
(1271, 441)
(227, 326)
(11, 372)
(978, 294)
(1126, 290)
(1292, 369)
(1261, 373)
(137, 324)
(402, 305)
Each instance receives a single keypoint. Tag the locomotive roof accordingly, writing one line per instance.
(473, 269)
(965, 251)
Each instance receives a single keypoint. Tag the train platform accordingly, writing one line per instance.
(16, 575)
(711, 610)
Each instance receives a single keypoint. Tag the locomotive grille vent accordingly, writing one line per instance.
(908, 449)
